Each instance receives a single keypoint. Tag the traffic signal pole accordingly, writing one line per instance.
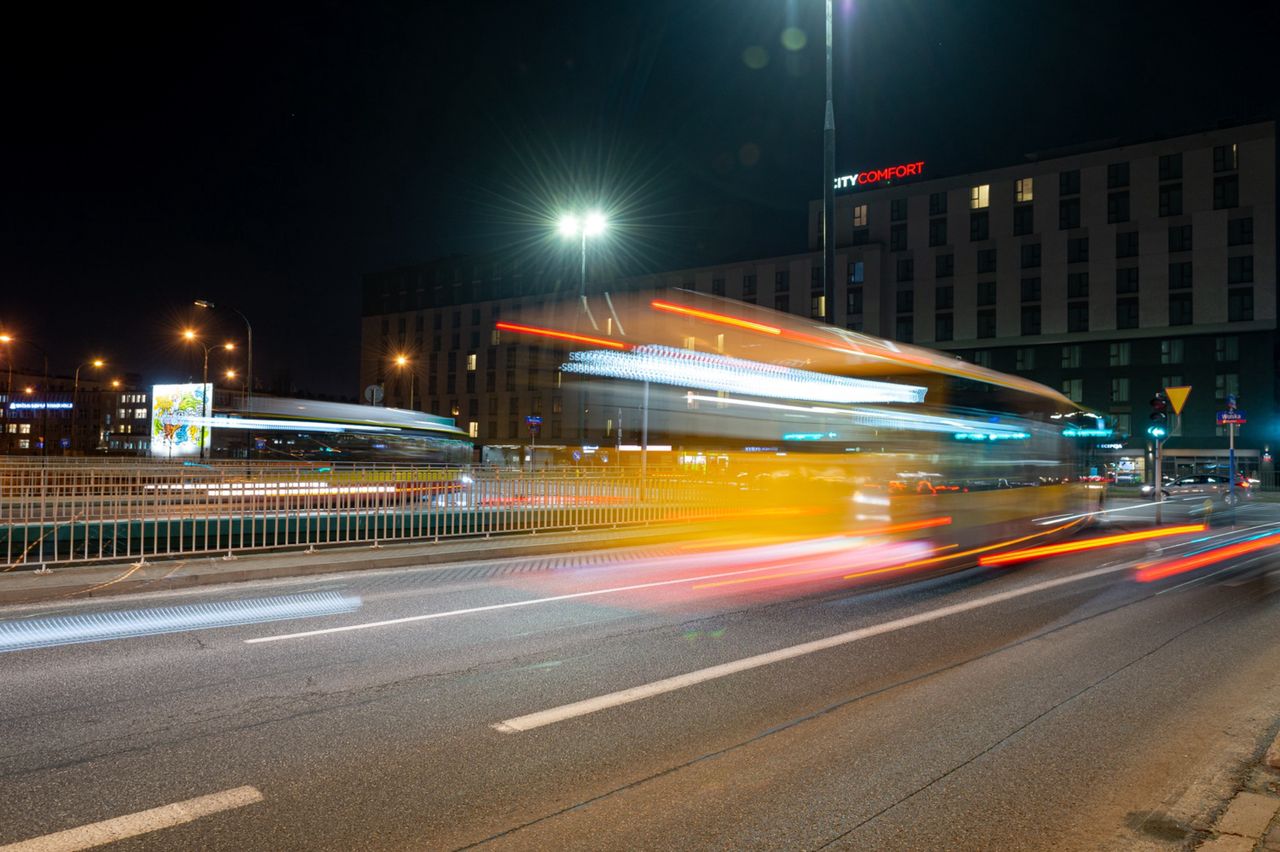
(1159, 483)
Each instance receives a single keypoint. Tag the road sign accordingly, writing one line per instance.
(373, 394)
(1232, 416)
(1178, 397)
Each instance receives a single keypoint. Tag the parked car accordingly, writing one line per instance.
(1212, 486)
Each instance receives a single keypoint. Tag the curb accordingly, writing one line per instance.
(98, 581)
(1251, 820)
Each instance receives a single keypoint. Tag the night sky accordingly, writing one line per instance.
(264, 156)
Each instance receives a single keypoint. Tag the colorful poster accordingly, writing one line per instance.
(179, 419)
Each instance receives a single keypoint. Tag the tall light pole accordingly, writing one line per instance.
(190, 336)
(248, 358)
(593, 224)
(403, 361)
(829, 193)
(96, 363)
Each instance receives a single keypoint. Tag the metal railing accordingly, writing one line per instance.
(66, 513)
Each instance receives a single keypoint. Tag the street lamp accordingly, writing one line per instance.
(592, 224)
(248, 369)
(97, 364)
(190, 336)
(828, 193)
(402, 361)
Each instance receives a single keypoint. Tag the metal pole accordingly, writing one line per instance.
(828, 193)
(1159, 485)
(1231, 463)
(75, 400)
(204, 402)
(44, 416)
(644, 441)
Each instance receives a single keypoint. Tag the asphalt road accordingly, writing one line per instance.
(1054, 704)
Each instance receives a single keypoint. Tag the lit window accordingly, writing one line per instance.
(473, 429)
(471, 362)
(860, 216)
(980, 197)
(1073, 389)
(1022, 191)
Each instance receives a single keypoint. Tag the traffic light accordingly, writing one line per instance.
(1159, 427)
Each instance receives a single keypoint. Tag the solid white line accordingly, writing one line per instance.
(671, 684)
(368, 625)
(142, 822)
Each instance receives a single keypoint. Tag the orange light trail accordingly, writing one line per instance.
(725, 319)
(1086, 544)
(906, 527)
(1153, 571)
(563, 335)
(935, 559)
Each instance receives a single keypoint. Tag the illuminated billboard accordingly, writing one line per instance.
(179, 419)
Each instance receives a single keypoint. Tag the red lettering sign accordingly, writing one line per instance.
(877, 175)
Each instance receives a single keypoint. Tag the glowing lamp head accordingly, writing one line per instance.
(98, 362)
(568, 225)
(229, 346)
(115, 383)
(28, 390)
(594, 224)
(6, 338)
(189, 334)
(402, 360)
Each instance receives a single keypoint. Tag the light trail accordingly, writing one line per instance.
(1087, 544)
(563, 335)
(1152, 571)
(946, 557)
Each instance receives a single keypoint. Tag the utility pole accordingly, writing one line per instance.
(829, 193)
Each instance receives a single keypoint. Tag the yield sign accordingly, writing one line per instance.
(1177, 397)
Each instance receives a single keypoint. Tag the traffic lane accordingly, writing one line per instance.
(135, 685)
(376, 725)
(1091, 737)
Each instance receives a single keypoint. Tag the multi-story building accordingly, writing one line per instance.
(1108, 272)
(63, 417)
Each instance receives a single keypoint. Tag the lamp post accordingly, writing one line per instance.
(248, 358)
(592, 224)
(44, 417)
(96, 363)
(190, 336)
(829, 193)
(402, 361)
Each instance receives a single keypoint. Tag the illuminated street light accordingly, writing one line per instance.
(97, 364)
(190, 335)
(593, 224)
(402, 361)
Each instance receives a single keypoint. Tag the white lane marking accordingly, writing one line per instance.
(671, 684)
(142, 822)
(368, 625)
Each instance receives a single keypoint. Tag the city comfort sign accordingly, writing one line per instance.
(879, 175)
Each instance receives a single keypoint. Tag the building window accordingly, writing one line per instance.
(986, 261)
(1120, 353)
(853, 300)
(717, 286)
(943, 327)
(1078, 250)
(1077, 316)
(904, 329)
(906, 269)
(986, 293)
(1179, 309)
(1071, 356)
(982, 357)
(1119, 390)
(944, 298)
(987, 323)
(897, 237)
(1226, 349)
(818, 307)
(979, 227)
(860, 216)
(906, 301)
(1068, 214)
(1030, 289)
(1240, 269)
(1030, 255)
(816, 282)
(782, 302)
(861, 236)
(1069, 182)
(1240, 304)
(1127, 244)
(898, 210)
(937, 203)
(781, 281)
(1180, 275)
(1127, 280)
(1171, 167)
(1226, 158)
(937, 232)
(1077, 285)
(1240, 232)
(855, 272)
(1127, 313)
(749, 286)
(1225, 384)
(471, 361)
(1073, 389)
(1117, 207)
(980, 197)
(1171, 351)
(1117, 175)
(1179, 238)
(1023, 220)
(944, 265)
(1026, 358)
(1023, 190)
(1226, 192)
(1171, 200)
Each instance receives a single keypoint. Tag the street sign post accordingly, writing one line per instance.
(1231, 418)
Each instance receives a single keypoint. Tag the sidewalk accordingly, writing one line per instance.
(84, 581)
(1251, 821)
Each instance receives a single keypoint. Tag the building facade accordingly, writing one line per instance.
(1107, 272)
(61, 417)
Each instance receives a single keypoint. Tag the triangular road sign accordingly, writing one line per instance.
(1178, 397)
